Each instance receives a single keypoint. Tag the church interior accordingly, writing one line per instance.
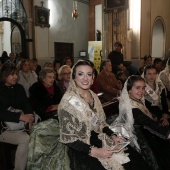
(47, 32)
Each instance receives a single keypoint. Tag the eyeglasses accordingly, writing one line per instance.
(66, 74)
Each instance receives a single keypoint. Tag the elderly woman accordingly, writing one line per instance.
(84, 130)
(14, 107)
(45, 95)
(26, 77)
(64, 78)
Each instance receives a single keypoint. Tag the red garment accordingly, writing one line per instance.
(51, 93)
(94, 86)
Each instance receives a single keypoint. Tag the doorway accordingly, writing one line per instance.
(158, 39)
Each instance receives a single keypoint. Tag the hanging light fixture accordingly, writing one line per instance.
(75, 13)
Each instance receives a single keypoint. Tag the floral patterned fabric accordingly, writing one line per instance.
(45, 150)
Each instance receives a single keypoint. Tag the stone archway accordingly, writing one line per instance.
(14, 13)
(22, 32)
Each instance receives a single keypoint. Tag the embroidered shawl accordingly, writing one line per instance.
(77, 121)
(154, 96)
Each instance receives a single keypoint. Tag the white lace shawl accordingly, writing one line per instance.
(79, 116)
(126, 117)
(75, 118)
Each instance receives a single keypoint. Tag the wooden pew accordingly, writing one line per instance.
(111, 108)
(7, 156)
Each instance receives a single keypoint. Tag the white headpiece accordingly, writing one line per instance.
(125, 115)
(166, 70)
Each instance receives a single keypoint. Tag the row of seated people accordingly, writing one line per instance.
(74, 111)
(158, 125)
(28, 77)
(11, 90)
(45, 97)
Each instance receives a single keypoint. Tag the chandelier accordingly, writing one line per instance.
(75, 13)
(13, 9)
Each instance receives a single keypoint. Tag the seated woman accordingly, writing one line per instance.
(48, 65)
(164, 76)
(155, 96)
(136, 118)
(45, 95)
(84, 130)
(107, 82)
(68, 61)
(64, 78)
(147, 62)
(26, 77)
(12, 95)
(158, 63)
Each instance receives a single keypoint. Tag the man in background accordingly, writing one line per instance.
(117, 60)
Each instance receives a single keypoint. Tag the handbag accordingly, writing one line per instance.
(12, 126)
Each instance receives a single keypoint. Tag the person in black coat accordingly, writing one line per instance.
(118, 63)
(45, 95)
(13, 97)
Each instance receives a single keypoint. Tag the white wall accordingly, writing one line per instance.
(42, 38)
(98, 19)
(6, 37)
(64, 29)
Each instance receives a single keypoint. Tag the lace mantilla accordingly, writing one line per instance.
(77, 121)
(126, 117)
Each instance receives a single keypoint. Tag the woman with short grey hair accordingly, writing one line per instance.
(45, 94)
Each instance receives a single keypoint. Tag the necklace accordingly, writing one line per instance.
(89, 100)
(136, 100)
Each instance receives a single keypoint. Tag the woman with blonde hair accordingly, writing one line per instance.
(26, 77)
(64, 78)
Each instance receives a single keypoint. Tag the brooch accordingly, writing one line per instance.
(94, 110)
(150, 91)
